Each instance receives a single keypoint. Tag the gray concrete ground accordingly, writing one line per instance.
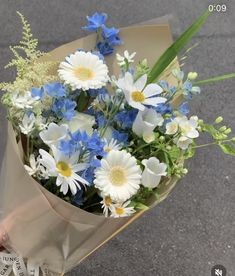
(194, 228)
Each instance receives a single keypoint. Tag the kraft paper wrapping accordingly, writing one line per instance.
(42, 227)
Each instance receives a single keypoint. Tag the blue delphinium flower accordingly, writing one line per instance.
(105, 48)
(97, 92)
(95, 145)
(167, 88)
(184, 108)
(79, 199)
(37, 92)
(95, 21)
(110, 35)
(64, 108)
(100, 119)
(55, 89)
(126, 118)
(189, 90)
(164, 108)
(120, 136)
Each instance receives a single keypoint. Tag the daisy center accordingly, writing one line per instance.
(83, 73)
(120, 210)
(138, 96)
(108, 200)
(117, 176)
(107, 149)
(64, 169)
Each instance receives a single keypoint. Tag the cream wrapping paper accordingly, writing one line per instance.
(42, 227)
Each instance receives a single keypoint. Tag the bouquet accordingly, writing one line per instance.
(94, 139)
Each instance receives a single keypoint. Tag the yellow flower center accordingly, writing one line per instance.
(138, 96)
(108, 201)
(120, 210)
(83, 73)
(107, 149)
(117, 176)
(64, 169)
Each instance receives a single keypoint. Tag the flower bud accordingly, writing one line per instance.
(192, 76)
(223, 128)
(185, 171)
(219, 120)
(168, 147)
(161, 138)
(227, 131)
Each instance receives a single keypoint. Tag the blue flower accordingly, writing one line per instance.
(89, 175)
(79, 199)
(120, 136)
(167, 88)
(37, 92)
(164, 108)
(105, 48)
(96, 145)
(184, 108)
(97, 92)
(95, 21)
(110, 35)
(55, 89)
(64, 108)
(126, 118)
(100, 119)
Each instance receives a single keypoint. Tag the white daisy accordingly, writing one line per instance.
(106, 204)
(126, 58)
(28, 123)
(121, 210)
(119, 175)
(138, 94)
(65, 169)
(34, 165)
(111, 145)
(83, 71)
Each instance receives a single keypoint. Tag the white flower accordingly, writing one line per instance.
(183, 142)
(145, 123)
(106, 204)
(119, 176)
(82, 122)
(121, 210)
(65, 169)
(137, 95)
(125, 58)
(172, 127)
(28, 123)
(83, 71)
(111, 145)
(34, 165)
(153, 172)
(53, 134)
(24, 100)
(188, 127)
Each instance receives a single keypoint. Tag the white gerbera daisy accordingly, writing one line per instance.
(83, 71)
(119, 176)
(64, 168)
(137, 94)
(111, 145)
(121, 210)
(106, 205)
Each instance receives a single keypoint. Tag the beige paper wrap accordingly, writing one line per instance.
(44, 228)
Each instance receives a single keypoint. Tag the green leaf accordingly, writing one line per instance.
(215, 79)
(168, 56)
(189, 153)
(141, 206)
(227, 149)
(174, 153)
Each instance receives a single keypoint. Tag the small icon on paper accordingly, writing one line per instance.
(218, 270)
